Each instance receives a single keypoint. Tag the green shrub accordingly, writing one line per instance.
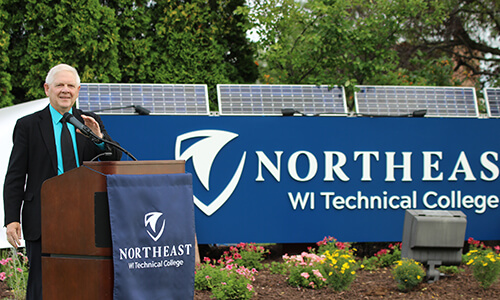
(232, 286)
(278, 268)
(408, 274)
(340, 269)
(450, 270)
(485, 266)
(306, 276)
(249, 255)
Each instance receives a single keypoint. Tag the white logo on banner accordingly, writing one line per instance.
(151, 220)
(203, 154)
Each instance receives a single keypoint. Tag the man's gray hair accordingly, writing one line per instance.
(61, 67)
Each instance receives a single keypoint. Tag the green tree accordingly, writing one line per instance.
(186, 48)
(374, 42)
(136, 39)
(5, 85)
(239, 56)
(45, 33)
(469, 33)
(334, 41)
(165, 41)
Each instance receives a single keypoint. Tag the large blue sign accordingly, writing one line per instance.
(299, 179)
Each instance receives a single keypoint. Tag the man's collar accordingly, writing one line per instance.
(56, 116)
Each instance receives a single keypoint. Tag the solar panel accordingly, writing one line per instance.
(404, 100)
(168, 99)
(492, 97)
(255, 99)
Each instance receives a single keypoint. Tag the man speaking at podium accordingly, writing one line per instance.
(45, 146)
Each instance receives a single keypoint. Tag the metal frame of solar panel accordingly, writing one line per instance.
(167, 99)
(404, 100)
(492, 99)
(268, 100)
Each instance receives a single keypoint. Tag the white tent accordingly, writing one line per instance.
(8, 118)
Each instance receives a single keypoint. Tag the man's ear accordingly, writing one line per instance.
(46, 88)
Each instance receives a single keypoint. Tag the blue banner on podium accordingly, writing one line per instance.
(153, 236)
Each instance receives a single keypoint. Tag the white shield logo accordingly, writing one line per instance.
(203, 154)
(151, 220)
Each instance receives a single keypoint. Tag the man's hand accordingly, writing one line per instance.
(14, 234)
(93, 125)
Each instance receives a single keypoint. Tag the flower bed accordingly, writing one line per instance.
(374, 277)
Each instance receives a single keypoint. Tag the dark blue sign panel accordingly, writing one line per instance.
(299, 179)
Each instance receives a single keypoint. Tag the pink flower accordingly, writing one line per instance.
(223, 283)
(19, 270)
(2, 276)
(317, 273)
(206, 259)
(249, 287)
(305, 275)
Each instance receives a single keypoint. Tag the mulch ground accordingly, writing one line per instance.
(377, 284)
(371, 285)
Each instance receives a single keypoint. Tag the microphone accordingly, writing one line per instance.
(86, 130)
(83, 128)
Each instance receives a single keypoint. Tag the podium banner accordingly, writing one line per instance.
(153, 236)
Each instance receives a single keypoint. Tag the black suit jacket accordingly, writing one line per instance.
(34, 160)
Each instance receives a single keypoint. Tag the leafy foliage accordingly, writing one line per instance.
(485, 263)
(340, 269)
(45, 33)
(14, 271)
(408, 274)
(304, 270)
(249, 255)
(124, 41)
(333, 42)
(371, 42)
(230, 278)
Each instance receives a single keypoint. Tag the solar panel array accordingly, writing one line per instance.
(175, 99)
(404, 100)
(267, 99)
(492, 97)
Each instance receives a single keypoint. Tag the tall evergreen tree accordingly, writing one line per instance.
(47, 32)
(5, 84)
(127, 41)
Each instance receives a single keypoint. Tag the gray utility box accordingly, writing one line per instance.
(434, 237)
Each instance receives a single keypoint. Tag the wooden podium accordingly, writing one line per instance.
(76, 239)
